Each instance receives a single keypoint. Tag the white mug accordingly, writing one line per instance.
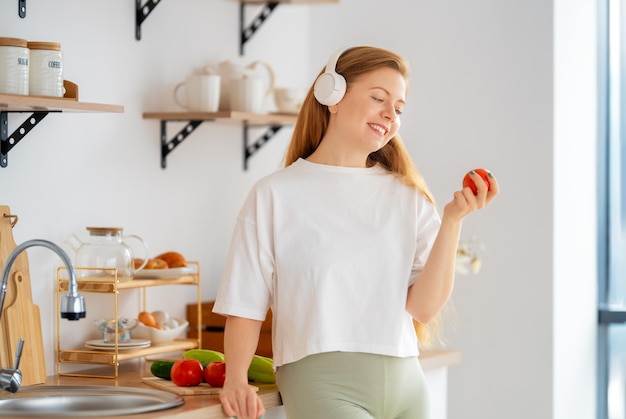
(202, 93)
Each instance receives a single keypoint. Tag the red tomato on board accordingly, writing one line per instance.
(187, 372)
(468, 182)
(215, 374)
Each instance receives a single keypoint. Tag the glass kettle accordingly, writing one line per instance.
(106, 249)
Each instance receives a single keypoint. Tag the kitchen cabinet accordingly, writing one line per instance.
(39, 107)
(273, 121)
(106, 285)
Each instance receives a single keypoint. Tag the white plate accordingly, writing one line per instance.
(132, 344)
(164, 273)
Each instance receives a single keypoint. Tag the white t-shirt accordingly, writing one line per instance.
(333, 251)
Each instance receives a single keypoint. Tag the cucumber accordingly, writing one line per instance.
(161, 369)
(205, 356)
(261, 370)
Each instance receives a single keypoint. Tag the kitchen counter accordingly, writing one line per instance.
(208, 407)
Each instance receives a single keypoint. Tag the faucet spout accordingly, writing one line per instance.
(72, 304)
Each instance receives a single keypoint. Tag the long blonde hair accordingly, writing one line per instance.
(313, 119)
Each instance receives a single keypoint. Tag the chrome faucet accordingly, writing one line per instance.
(72, 305)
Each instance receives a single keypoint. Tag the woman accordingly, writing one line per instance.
(346, 247)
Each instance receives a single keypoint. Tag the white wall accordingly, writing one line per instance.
(485, 94)
(486, 91)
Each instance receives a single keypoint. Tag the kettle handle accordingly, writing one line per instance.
(145, 247)
(73, 241)
(270, 71)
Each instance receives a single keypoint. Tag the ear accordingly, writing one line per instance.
(332, 109)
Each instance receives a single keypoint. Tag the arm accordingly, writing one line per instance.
(433, 287)
(238, 398)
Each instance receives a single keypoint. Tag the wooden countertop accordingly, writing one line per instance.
(208, 407)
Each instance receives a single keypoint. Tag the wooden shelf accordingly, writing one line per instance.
(39, 107)
(111, 357)
(105, 285)
(261, 119)
(21, 103)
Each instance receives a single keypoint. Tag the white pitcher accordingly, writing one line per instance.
(245, 89)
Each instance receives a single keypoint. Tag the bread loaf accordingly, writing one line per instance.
(173, 259)
(153, 263)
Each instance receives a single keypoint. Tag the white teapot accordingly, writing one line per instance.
(245, 89)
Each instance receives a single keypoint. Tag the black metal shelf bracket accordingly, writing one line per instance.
(167, 146)
(21, 8)
(7, 142)
(246, 32)
(250, 149)
(142, 13)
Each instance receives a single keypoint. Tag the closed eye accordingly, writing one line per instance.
(380, 100)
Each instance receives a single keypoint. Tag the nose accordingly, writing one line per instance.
(389, 112)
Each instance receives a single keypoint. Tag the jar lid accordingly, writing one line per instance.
(55, 46)
(104, 230)
(13, 42)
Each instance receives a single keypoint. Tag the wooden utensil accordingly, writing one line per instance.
(20, 317)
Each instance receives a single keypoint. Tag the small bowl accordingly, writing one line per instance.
(159, 336)
(124, 327)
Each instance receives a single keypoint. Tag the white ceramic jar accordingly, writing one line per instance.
(14, 69)
(46, 69)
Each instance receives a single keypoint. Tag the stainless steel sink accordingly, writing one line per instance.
(84, 401)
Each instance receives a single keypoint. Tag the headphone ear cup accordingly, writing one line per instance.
(330, 88)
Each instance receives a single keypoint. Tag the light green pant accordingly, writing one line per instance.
(346, 385)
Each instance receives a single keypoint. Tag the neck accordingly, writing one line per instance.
(332, 153)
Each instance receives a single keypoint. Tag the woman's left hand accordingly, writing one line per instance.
(465, 202)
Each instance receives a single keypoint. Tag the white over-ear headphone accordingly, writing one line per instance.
(330, 86)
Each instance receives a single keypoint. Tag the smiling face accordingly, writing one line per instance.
(366, 118)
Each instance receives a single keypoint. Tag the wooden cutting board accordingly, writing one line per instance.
(20, 317)
(24, 322)
(167, 385)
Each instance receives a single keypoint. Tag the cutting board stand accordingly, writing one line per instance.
(20, 317)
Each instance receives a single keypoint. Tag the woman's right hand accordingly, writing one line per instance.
(241, 400)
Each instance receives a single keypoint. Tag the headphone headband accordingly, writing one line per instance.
(331, 65)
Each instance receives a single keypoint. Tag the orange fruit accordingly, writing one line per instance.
(146, 318)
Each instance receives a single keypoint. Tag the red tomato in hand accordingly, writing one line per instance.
(469, 183)
(187, 372)
(215, 374)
